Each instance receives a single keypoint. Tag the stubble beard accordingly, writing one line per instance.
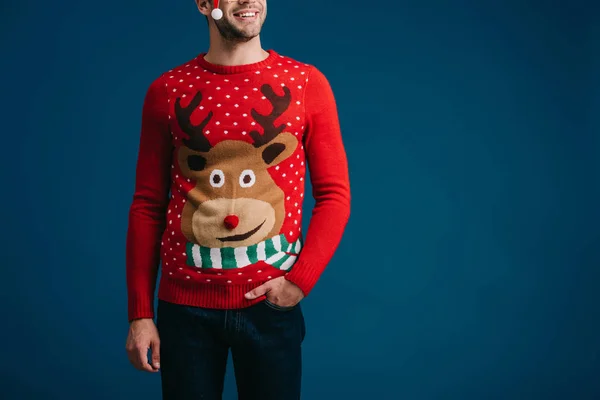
(233, 34)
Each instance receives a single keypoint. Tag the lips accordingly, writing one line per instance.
(248, 13)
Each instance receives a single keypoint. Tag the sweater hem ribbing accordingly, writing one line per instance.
(210, 295)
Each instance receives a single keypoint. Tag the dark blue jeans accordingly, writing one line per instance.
(265, 343)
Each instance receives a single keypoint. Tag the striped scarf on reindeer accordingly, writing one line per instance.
(276, 251)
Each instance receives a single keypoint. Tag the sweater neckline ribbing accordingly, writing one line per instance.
(236, 69)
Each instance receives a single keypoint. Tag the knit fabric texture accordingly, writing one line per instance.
(224, 155)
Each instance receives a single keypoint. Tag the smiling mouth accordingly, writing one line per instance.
(246, 15)
(242, 236)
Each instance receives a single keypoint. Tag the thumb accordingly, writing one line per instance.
(155, 347)
(258, 291)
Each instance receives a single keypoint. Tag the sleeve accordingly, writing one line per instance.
(328, 169)
(149, 205)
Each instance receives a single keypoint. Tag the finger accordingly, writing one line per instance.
(258, 291)
(142, 359)
(155, 353)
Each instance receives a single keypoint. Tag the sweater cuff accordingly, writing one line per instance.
(304, 275)
(140, 308)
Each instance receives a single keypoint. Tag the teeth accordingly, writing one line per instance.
(248, 14)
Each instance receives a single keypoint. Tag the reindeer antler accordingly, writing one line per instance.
(197, 141)
(280, 104)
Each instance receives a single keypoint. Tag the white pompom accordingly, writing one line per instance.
(216, 13)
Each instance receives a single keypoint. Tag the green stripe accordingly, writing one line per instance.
(188, 249)
(284, 242)
(270, 248)
(278, 263)
(228, 258)
(206, 260)
(253, 254)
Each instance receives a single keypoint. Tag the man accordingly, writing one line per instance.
(227, 139)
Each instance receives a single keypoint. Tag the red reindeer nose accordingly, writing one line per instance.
(231, 221)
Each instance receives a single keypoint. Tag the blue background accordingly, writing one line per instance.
(469, 268)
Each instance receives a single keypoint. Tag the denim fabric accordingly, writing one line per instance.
(264, 339)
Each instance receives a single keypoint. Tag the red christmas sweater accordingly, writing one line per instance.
(223, 158)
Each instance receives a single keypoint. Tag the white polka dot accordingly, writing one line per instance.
(289, 215)
(188, 277)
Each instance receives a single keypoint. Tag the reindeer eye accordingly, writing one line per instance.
(247, 178)
(217, 178)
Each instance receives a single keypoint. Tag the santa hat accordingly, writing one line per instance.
(216, 13)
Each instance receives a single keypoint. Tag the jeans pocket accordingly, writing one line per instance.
(278, 307)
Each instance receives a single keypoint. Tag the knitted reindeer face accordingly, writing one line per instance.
(234, 203)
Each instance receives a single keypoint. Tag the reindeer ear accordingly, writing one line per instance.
(279, 148)
(196, 162)
(270, 153)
